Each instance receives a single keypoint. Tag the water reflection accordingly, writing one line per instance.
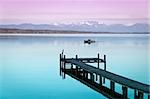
(29, 65)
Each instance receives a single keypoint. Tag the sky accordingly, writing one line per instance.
(47, 11)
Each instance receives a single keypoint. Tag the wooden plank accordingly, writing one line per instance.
(113, 77)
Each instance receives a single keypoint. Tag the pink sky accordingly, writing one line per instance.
(46, 11)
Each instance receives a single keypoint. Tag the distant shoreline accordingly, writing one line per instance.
(73, 35)
(43, 31)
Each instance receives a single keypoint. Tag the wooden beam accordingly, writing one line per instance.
(140, 95)
(100, 80)
(77, 70)
(60, 64)
(96, 77)
(112, 85)
(125, 92)
(148, 96)
(76, 56)
(135, 94)
(92, 77)
(83, 76)
(104, 67)
(64, 66)
(98, 61)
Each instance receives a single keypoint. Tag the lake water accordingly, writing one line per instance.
(29, 65)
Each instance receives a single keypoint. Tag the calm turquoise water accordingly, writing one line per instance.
(29, 66)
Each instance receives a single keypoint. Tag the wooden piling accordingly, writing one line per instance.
(83, 75)
(64, 66)
(77, 70)
(135, 94)
(104, 67)
(71, 67)
(76, 56)
(98, 61)
(60, 64)
(100, 80)
(112, 85)
(125, 92)
(105, 62)
(96, 78)
(148, 96)
(86, 75)
(97, 64)
(92, 77)
(140, 95)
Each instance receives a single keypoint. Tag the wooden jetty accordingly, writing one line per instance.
(94, 77)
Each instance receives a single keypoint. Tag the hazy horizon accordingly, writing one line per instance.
(77, 23)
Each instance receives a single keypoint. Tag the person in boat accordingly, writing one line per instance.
(89, 41)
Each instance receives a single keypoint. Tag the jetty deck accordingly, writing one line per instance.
(92, 77)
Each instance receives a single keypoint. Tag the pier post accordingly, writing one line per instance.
(97, 64)
(104, 67)
(100, 80)
(60, 63)
(64, 66)
(105, 62)
(148, 96)
(98, 61)
(96, 77)
(125, 92)
(86, 74)
(72, 68)
(76, 66)
(140, 95)
(76, 56)
(92, 77)
(79, 71)
(112, 85)
(76, 70)
(135, 94)
(83, 76)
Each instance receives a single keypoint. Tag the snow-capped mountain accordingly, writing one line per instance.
(92, 26)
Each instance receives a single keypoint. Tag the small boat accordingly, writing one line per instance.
(89, 41)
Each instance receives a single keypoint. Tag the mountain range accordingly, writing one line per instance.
(88, 26)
